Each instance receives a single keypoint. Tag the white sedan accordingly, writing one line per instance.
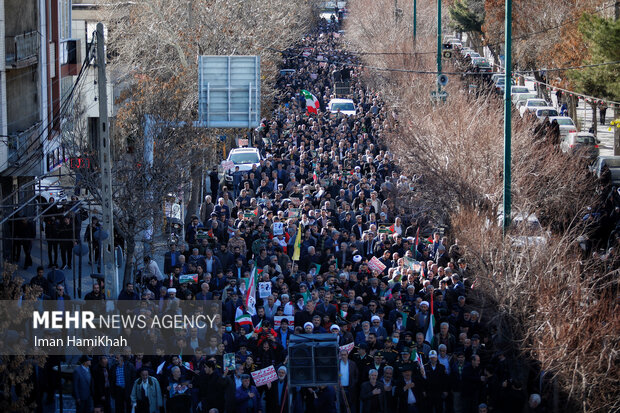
(532, 104)
(566, 124)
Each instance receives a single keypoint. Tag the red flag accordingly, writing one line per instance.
(432, 310)
(392, 228)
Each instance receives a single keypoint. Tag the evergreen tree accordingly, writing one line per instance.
(467, 15)
(602, 37)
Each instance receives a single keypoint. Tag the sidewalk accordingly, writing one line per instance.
(72, 276)
(584, 117)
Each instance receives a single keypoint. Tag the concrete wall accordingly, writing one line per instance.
(22, 97)
(21, 16)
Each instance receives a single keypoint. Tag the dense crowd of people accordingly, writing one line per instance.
(365, 274)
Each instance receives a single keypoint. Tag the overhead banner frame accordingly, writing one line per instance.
(229, 91)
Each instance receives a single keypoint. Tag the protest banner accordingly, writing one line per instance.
(375, 265)
(278, 228)
(229, 362)
(228, 165)
(412, 264)
(188, 278)
(347, 347)
(264, 289)
(277, 320)
(264, 376)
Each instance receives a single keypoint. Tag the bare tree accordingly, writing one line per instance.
(162, 38)
(550, 301)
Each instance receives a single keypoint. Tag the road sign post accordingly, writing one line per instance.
(507, 115)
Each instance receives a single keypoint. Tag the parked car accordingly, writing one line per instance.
(465, 51)
(344, 106)
(533, 104)
(525, 230)
(501, 83)
(607, 162)
(546, 112)
(49, 187)
(566, 124)
(518, 89)
(482, 64)
(582, 144)
(472, 55)
(456, 43)
(520, 99)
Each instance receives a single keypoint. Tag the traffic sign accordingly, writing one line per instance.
(437, 96)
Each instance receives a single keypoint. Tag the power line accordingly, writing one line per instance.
(566, 22)
(521, 37)
(432, 72)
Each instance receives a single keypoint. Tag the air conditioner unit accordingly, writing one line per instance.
(74, 51)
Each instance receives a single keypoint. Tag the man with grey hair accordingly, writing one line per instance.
(372, 394)
(247, 397)
(533, 403)
(389, 387)
(276, 396)
(348, 373)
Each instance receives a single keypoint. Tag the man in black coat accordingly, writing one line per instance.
(372, 394)
(215, 182)
(66, 234)
(473, 382)
(436, 384)
(102, 391)
(389, 386)
(410, 388)
(211, 387)
(123, 375)
(302, 317)
(277, 393)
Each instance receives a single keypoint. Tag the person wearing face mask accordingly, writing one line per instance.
(390, 354)
(230, 339)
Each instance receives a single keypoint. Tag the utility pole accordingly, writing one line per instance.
(507, 114)
(415, 19)
(105, 167)
(616, 109)
(438, 37)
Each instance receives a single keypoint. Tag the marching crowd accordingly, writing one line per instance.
(326, 190)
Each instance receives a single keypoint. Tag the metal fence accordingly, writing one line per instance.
(22, 47)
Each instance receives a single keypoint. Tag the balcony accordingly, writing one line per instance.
(22, 50)
(22, 145)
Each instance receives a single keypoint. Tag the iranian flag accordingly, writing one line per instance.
(430, 331)
(418, 359)
(312, 103)
(244, 320)
(250, 293)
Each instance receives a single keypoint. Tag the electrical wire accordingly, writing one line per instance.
(434, 72)
(585, 97)
(521, 37)
(564, 23)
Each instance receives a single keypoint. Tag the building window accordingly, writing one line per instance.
(64, 19)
